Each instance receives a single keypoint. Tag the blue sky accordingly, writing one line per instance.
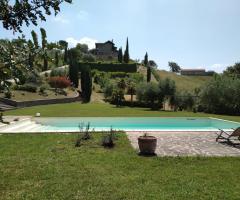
(193, 33)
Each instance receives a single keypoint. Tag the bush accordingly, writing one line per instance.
(26, 87)
(59, 82)
(59, 72)
(43, 88)
(221, 96)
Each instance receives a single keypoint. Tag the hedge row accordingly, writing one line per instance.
(110, 67)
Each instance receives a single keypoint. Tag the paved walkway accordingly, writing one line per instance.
(187, 144)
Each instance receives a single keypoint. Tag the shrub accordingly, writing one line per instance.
(108, 140)
(43, 88)
(26, 87)
(59, 72)
(221, 96)
(59, 82)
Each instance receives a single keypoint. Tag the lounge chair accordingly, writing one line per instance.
(223, 135)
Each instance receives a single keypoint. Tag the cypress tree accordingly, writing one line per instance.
(86, 84)
(35, 39)
(149, 73)
(56, 59)
(126, 53)
(146, 59)
(146, 63)
(44, 46)
(120, 55)
(73, 68)
(66, 53)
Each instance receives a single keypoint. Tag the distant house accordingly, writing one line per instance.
(196, 72)
(105, 50)
(192, 72)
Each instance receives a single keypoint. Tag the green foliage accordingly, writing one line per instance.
(174, 67)
(149, 74)
(86, 84)
(146, 60)
(56, 59)
(82, 48)
(111, 67)
(26, 87)
(156, 74)
(126, 56)
(43, 88)
(59, 72)
(233, 71)
(14, 15)
(73, 66)
(35, 39)
(182, 101)
(120, 55)
(88, 58)
(221, 96)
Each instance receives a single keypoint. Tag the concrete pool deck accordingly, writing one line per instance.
(187, 144)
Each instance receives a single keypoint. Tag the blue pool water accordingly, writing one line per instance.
(136, 123)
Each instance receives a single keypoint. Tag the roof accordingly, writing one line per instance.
(195, 70)
(106, 42)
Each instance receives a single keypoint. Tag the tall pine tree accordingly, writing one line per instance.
(86, 84)
(56, 59)
(126, 57)
(73, 67)
(146, 59)
(44, 48)
(120, 55)
(146, 63)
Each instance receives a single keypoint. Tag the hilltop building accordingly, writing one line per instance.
(196, 72)
(105, 50)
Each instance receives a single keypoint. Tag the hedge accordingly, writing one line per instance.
(110, 67)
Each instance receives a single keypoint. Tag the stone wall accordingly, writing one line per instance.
(20, 104)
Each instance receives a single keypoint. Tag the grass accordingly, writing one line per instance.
(105, 110)
(50, 167)
(28, 96)
(188, 83)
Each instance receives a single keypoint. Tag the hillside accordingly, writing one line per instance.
(188, 83)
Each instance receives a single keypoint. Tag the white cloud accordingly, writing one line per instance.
(217, 67)
(85, 40)
(61, 19)
(83, 15)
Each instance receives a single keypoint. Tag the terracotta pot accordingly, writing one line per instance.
(147, 145)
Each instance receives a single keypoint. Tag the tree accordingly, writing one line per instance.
(174, 67)
(131, 87)
(35, 39)
(14, 15)
(56, 59)
(233, 70)
(120, 55)
(149, 73)
(152, 64)
(146, 60)
(73, 67)
(82, 47)
(126, 56)
(86, 84)
(146, 64)
(64, 45)
(44, 49)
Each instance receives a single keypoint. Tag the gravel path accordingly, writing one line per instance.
(187, 144)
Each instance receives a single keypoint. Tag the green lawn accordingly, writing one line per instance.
(50, 167)
(102, 109)
(188, 83)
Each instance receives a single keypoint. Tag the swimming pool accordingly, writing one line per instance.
(71, 124)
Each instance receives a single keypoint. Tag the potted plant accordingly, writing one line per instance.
(147, 144)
